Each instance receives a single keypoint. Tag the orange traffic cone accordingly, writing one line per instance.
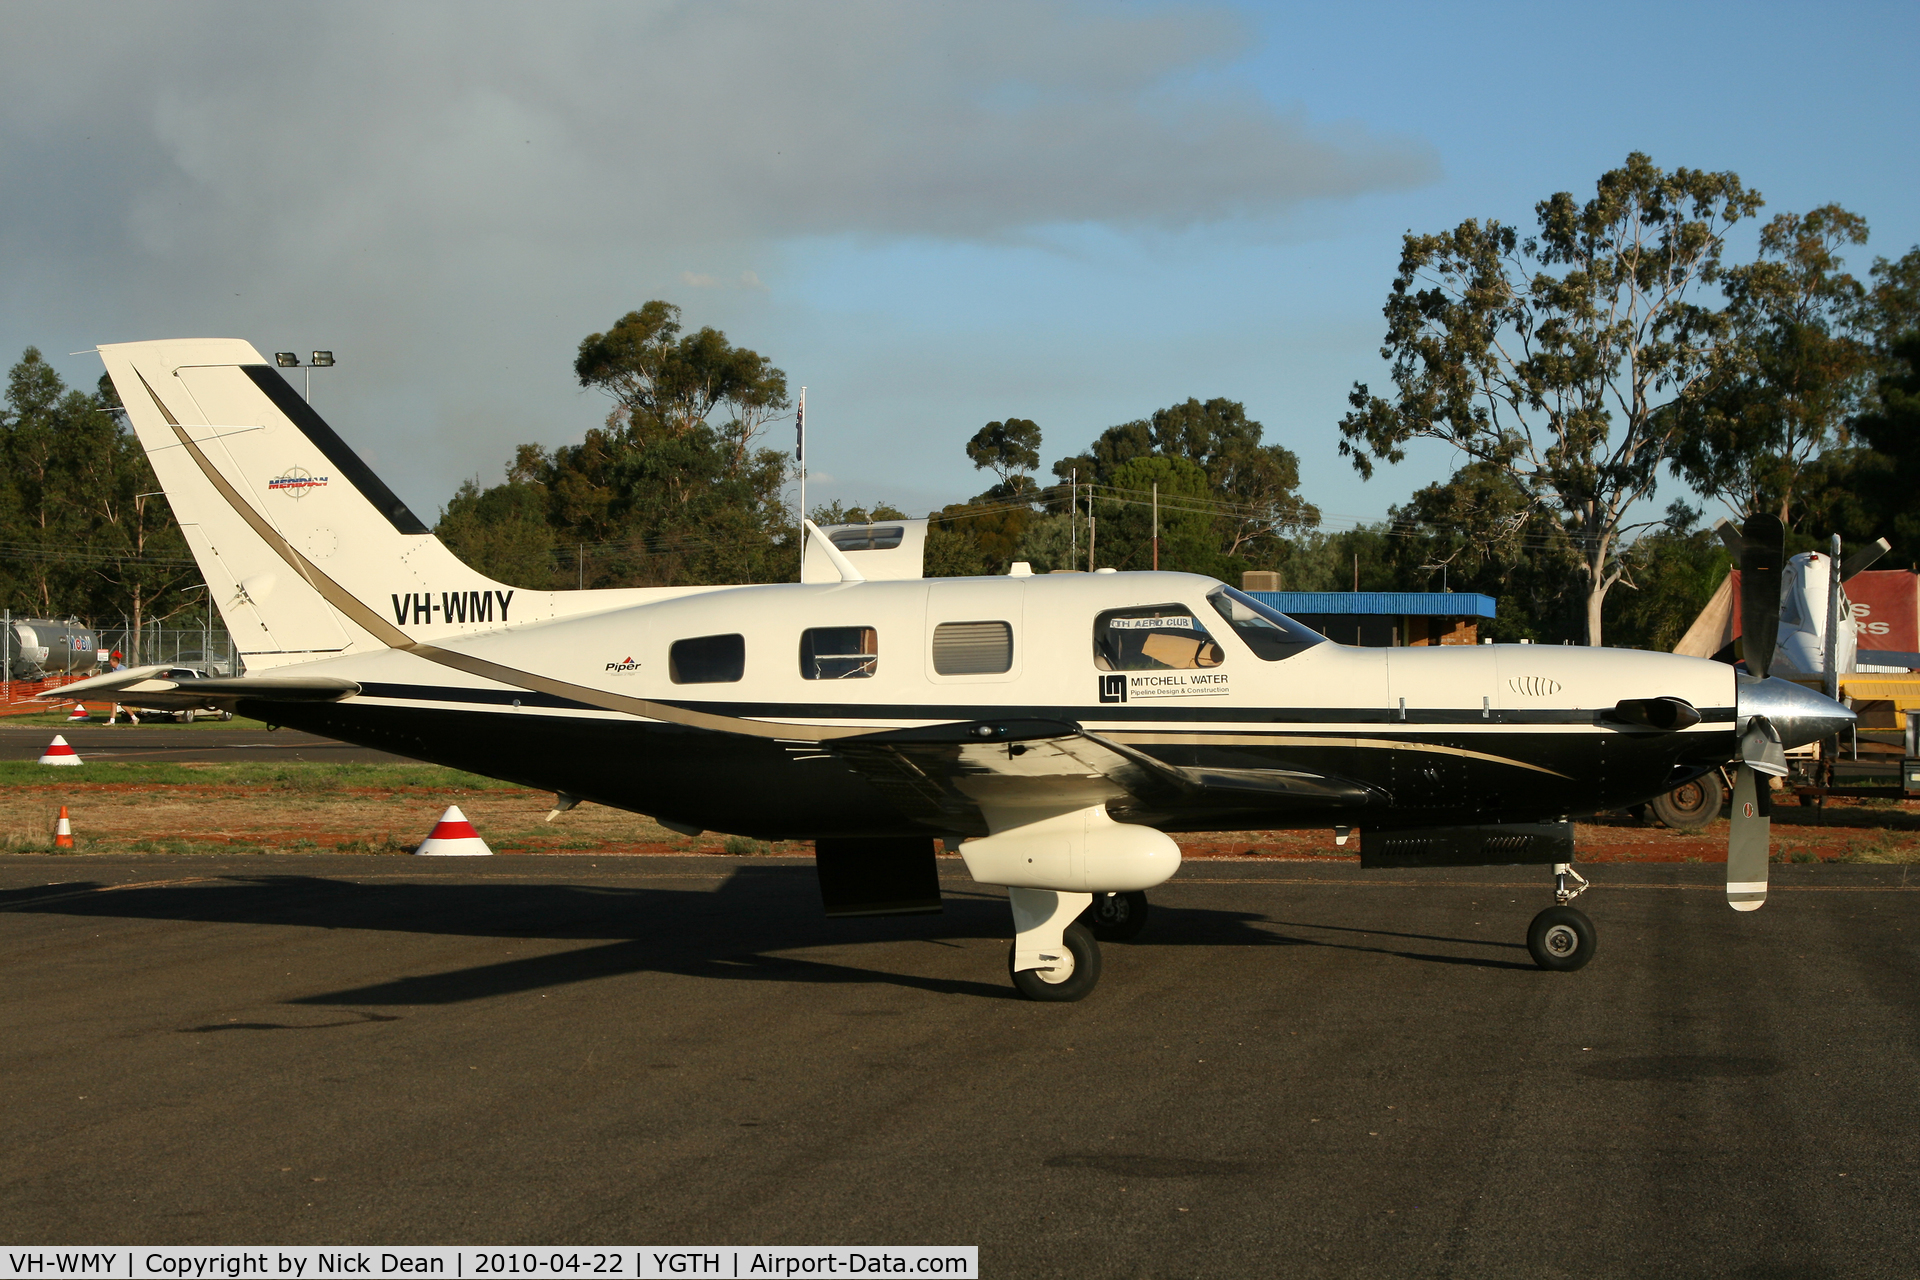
(454, 837)
(58, 752)
(63, 831)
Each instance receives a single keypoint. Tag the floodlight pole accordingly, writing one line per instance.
(1073, 516)
(289, 360)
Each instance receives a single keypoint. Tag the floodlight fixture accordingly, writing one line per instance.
(323, 359)
(286, 359)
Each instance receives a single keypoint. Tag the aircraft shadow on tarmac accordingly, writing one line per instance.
(727, 933)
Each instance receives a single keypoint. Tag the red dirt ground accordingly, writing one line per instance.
(136, 817)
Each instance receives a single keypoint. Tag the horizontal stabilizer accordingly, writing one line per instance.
(146, 687)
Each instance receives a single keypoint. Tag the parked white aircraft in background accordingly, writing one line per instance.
(1054, 728)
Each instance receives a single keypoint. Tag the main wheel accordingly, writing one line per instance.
(1561, 938)
(1691, 806)
(1116, 917)
(1036, 984)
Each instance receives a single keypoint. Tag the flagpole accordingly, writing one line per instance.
(800, 456)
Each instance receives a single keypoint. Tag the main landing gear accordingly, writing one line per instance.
(1056, 939)
(1561, 937)
(1116, 917)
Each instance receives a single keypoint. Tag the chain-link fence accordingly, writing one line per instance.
(38, 655)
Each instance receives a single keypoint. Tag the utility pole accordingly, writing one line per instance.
(1090, 529)
(1073, 517)
(1156, 525)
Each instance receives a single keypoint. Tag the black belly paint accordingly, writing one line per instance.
(770, 790)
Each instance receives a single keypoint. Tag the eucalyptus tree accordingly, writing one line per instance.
(1792, 373)
(1552, 355)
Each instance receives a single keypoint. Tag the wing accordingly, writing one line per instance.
(971, 777)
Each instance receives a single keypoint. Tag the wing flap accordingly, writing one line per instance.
(985, 775)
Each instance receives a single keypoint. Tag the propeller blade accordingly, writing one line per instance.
(1859, 560)
(1764, 556)
(1747, 843)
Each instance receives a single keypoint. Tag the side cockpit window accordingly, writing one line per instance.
(707, 660)
(839, 653)
(1160, 637)
(1271, 634)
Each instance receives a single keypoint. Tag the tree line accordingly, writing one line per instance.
(84, 531)
(1574, 366)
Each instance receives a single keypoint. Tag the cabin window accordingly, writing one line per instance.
(1157, 637)
(868, 537)
(707, 660)
(1271, 634)
(839, 653)
(972, 648)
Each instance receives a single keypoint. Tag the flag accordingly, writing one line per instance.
(800, 429)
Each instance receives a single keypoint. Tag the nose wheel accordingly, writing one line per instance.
(1562, 938)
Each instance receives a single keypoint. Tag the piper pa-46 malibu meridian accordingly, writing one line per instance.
(1054, 728)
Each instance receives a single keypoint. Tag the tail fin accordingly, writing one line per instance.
(307, 553)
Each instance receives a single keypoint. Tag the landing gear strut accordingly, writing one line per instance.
(1561, 938)
(1055, 958)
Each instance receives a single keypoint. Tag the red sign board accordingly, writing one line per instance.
(1886, 603)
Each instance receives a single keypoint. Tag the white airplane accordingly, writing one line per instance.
(1052, 728)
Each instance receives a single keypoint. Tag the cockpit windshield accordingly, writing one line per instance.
(1271, 635)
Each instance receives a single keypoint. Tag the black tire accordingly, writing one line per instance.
(1116, 917)
(1691, 806)
(1561, 939)
(1084, 978)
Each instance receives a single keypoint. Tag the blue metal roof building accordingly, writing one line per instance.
(1422, 604)
(1386, 618)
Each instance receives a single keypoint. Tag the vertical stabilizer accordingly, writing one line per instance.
(306, 551)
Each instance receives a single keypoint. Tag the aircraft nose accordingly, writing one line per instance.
(1797, 713)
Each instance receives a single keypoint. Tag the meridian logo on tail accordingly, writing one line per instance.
(452, 606)
(296, 482)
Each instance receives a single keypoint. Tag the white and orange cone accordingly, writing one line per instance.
(63, 831)
(79, 712)
(58, 752)
(453, 837)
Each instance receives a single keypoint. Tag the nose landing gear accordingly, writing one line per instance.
(1562, 938)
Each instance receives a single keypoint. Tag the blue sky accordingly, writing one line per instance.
(931, 215)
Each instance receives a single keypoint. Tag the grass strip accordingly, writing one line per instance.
(305, 777)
